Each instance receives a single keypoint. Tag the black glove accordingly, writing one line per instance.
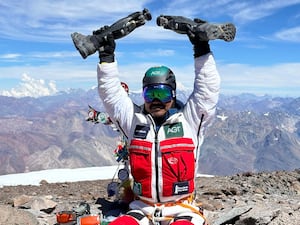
(106, 47)
(196, 38)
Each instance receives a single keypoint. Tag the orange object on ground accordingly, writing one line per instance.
(92, 219)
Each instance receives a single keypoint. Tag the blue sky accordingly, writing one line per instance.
(37, 55)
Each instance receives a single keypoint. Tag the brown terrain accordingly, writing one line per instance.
(270, 198)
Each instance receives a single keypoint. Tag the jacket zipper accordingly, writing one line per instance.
(156, 167)
(156, 147)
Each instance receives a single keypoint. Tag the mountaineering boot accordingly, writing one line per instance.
(204, 30)
(83, 44)
(119, 29)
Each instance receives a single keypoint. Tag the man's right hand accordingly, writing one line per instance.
(106, 47)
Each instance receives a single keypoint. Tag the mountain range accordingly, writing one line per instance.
(250, 133)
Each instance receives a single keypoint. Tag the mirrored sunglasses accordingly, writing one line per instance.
(162, 92)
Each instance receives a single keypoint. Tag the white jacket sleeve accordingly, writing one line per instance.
(201, 105)
(116, 101)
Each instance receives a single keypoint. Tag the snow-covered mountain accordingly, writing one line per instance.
(250, 133)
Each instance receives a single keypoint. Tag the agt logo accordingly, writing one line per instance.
(173, 130)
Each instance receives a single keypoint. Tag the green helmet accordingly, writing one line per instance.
(159, 75)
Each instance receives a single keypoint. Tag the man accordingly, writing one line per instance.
(164, 136)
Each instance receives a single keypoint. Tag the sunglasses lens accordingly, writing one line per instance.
(163, 93)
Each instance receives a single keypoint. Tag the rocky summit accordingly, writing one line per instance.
(265, 198)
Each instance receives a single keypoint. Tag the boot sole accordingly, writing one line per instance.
(224, 31)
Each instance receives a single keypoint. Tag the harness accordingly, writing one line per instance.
(156, 216)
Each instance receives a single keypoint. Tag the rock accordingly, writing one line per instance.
(21, 200)
(38, 203)
(244, 199)
(43, 204)
(10, 215)
(296, 186)
(231, 215)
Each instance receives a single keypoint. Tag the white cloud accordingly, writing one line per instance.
(155, 53)
(32, 87)
(247, 11)
(10, 56)
(53, 21)
(278, 80)
(37, 56)
(153, 33)
(292, 34)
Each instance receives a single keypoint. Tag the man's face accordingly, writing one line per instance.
(158, 99)
(158, 109)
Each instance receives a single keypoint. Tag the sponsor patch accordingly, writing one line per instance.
(180, 188)
(173, 130)
(141, 131)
